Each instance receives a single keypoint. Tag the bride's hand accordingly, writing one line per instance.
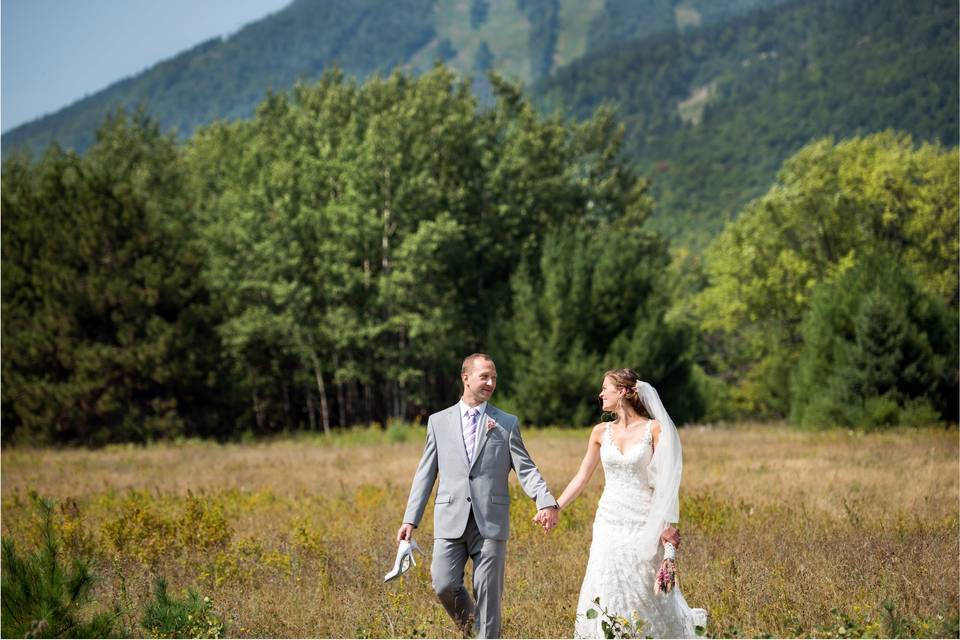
(547, 518)
(671, 534)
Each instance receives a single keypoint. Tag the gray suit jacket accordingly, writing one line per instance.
(481, 486)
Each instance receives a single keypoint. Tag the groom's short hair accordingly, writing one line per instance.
(468, 361)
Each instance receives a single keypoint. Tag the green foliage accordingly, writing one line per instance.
(330, 260)
(595, 301)
(877, 352)
(107, 327)
(715, 394)
(192, 617)
(41, 592)
(362, 239)
(831, 204)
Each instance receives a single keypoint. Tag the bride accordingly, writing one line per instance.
(633, 527)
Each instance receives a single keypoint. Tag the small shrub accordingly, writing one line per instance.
(203, 526)
(140, 529)
(238, 564)
(880, 411)
(40, 596)
(192, 617)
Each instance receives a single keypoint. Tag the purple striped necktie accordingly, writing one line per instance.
(470, 436)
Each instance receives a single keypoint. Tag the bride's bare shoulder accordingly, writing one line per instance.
(597, 432)
(654, 428)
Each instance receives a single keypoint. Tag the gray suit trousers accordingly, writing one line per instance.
(489, 558)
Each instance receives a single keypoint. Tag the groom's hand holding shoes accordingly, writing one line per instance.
(405, 532)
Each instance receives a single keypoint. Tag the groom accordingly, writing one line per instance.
(472, 446)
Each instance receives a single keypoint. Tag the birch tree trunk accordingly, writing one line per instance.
(322, 390)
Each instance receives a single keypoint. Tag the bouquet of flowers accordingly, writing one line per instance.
(667, 575)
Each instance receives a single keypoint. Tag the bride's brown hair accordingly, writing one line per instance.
(627, 379)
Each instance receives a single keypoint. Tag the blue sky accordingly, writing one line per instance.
(55, 52)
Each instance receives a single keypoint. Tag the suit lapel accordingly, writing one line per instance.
(455, 427)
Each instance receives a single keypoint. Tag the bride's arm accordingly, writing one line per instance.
(587, 467)
(655, 433)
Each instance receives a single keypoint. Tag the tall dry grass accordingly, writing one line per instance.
(785, 533)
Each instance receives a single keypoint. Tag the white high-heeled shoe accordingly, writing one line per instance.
(404, 559)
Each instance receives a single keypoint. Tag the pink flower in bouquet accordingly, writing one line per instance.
(491, 423)
(666, 577)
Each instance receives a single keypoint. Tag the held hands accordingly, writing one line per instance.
(547, 518)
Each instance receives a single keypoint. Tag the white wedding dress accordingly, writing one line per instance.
(617, 572)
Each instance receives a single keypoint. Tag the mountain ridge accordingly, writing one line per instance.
(713, 96)
(225, 78)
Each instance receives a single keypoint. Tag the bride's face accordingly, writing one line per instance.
(609, 395)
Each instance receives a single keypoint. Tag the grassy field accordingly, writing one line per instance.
(785, 533)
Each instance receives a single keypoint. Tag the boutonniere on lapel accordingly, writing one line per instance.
(491, 423)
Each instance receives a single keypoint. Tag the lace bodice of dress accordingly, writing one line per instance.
(627, 492)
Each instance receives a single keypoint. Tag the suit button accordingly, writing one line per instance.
(468, 499)
(471, 477)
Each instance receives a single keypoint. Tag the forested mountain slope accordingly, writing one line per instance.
(712, 114)
(525, 40)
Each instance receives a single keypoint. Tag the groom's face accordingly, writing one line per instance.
(480, 381)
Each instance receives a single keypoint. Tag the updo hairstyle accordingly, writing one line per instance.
(627, 379)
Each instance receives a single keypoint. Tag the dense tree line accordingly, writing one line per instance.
(330, 261)
(325, 263)
(108, 330)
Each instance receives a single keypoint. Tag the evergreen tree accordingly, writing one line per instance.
(41, 592)
(877, 351)
(596, 301)
(107, 330)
